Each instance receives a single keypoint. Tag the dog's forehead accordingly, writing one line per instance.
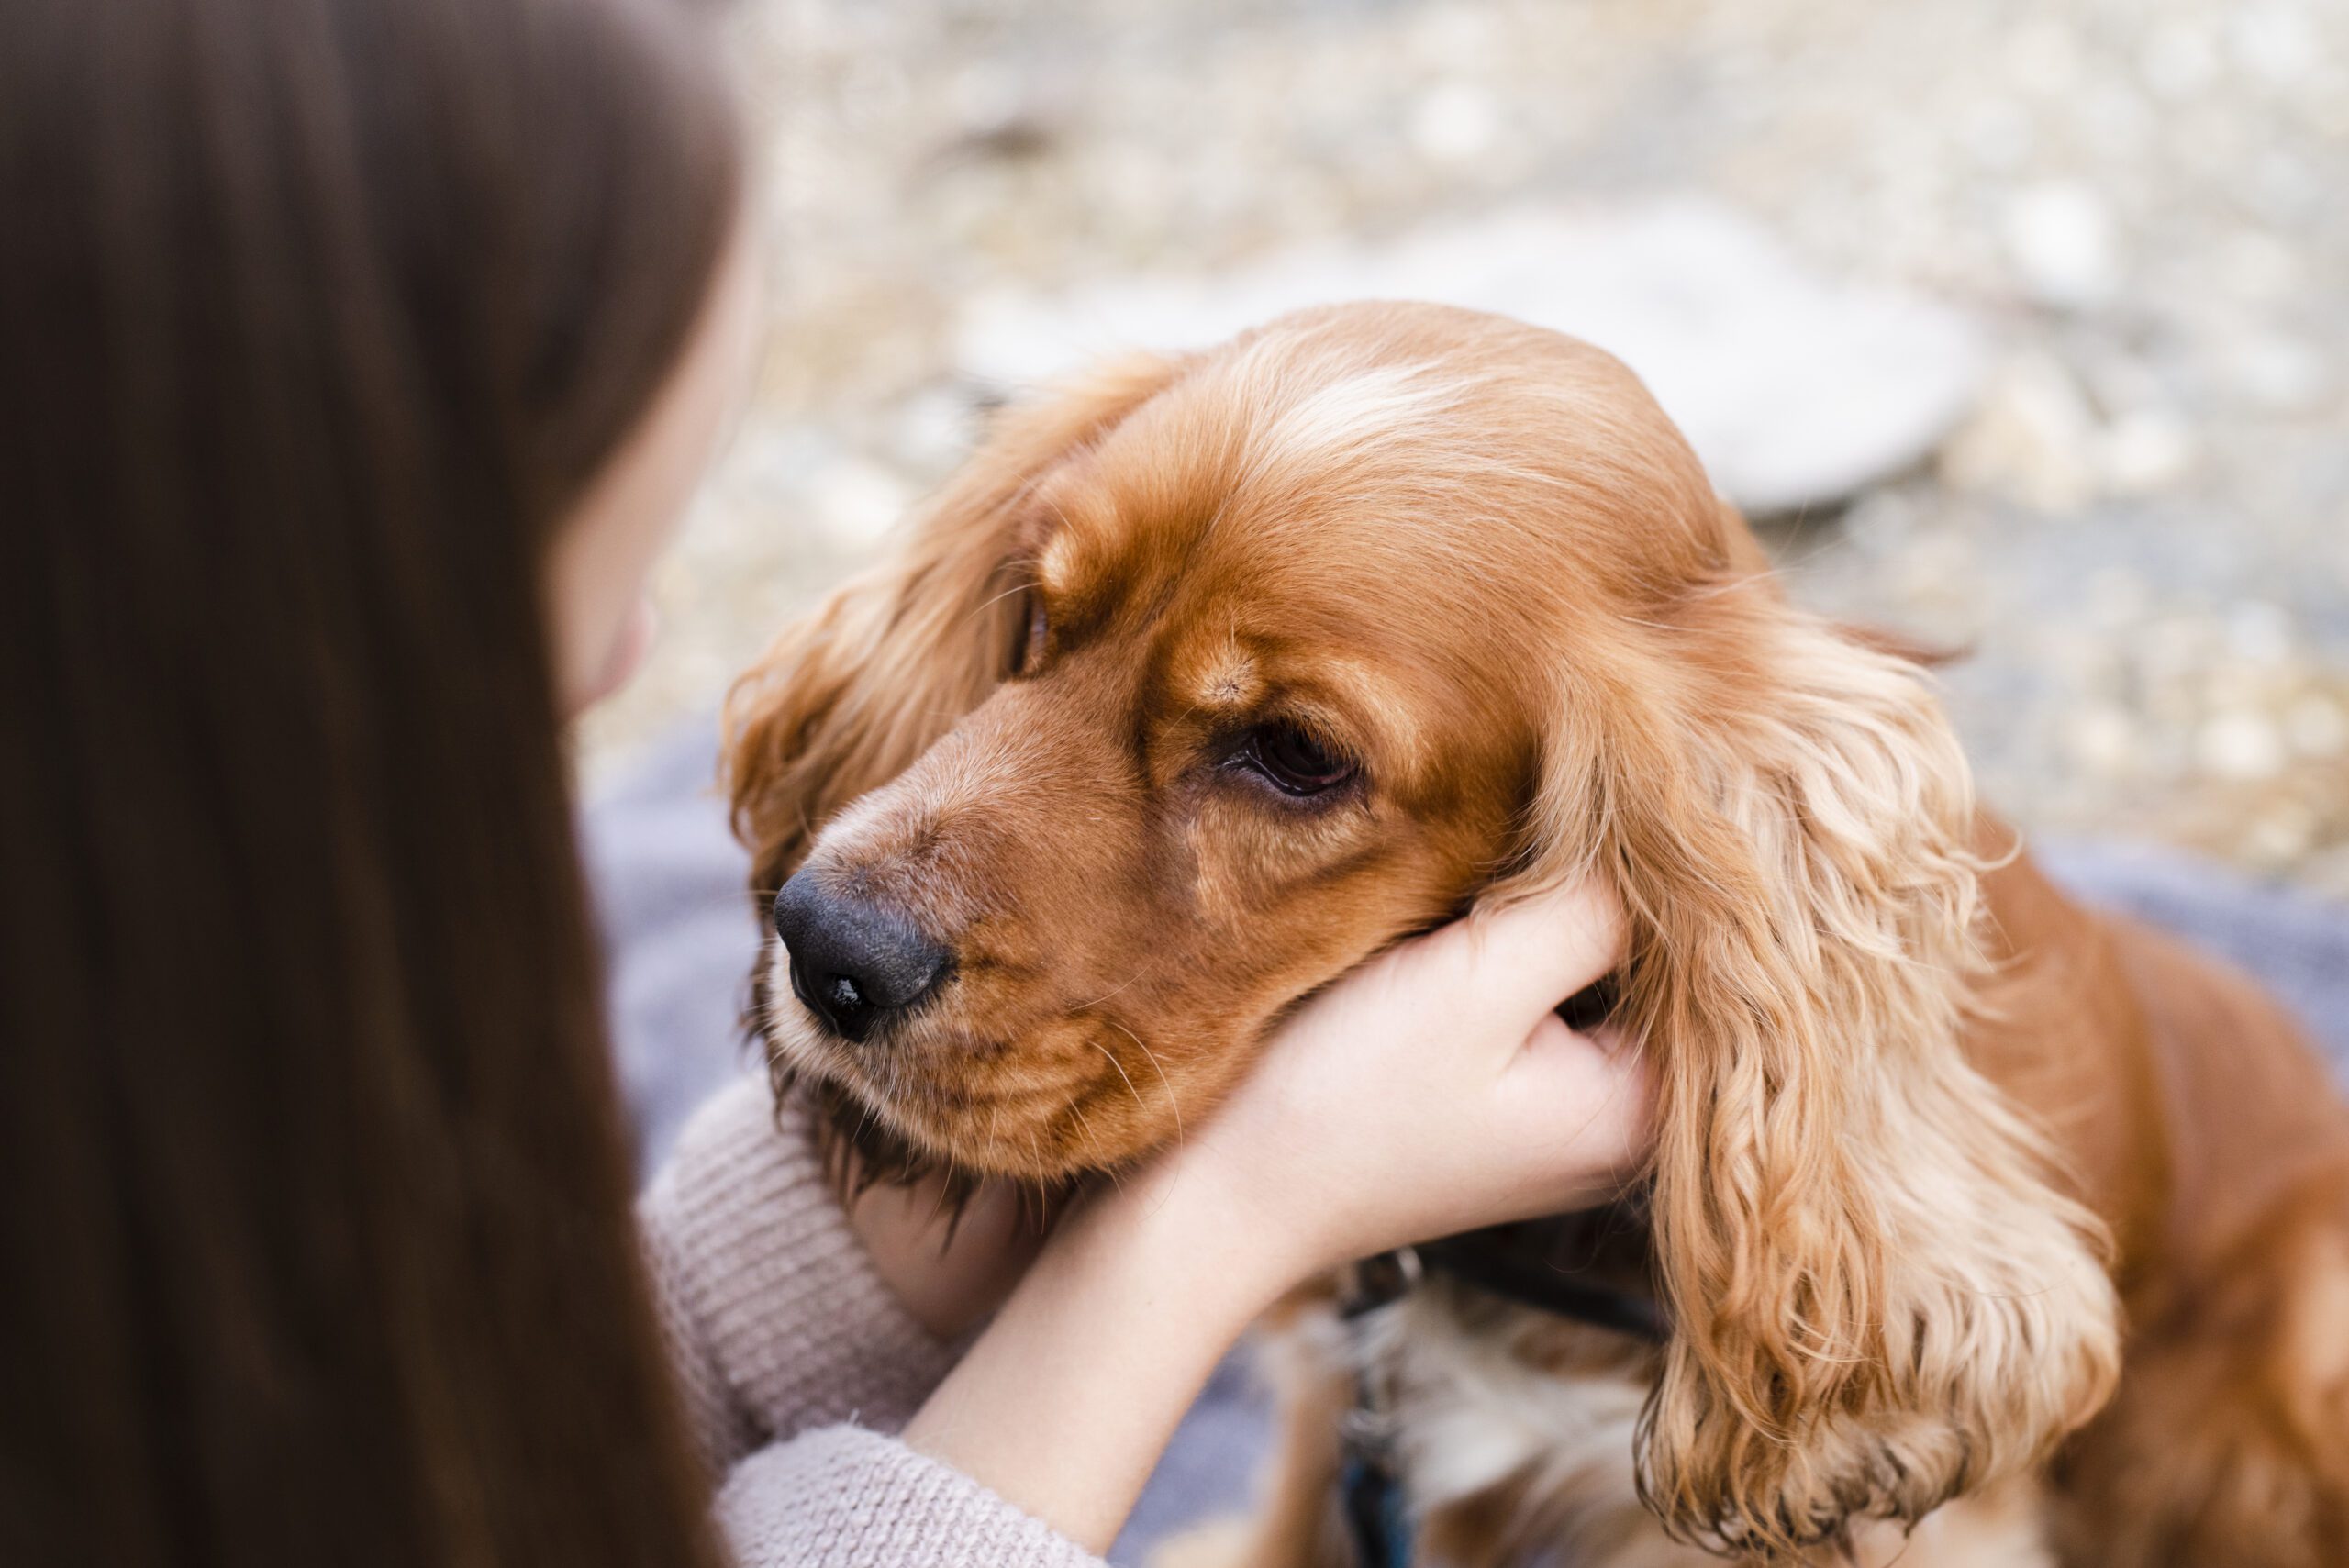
(1434, 501)
(1326, 587)
(1322, 495)
(1225, 572)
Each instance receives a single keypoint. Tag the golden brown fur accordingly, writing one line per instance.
(1929, 1134)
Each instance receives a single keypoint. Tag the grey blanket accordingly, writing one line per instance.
(681, 930)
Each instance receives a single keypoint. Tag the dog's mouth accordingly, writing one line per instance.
(929, 1093)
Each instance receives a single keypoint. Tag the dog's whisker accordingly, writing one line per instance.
(1088, 1007)
(1163, 1081)
(1111, 1057)
(1076, 1109)
(985, 604)
(1036, 1161)
(938, 1204)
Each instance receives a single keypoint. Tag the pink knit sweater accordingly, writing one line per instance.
(798, 1365)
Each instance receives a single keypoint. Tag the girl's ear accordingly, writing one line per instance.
(1881, 1294)
(845, 699)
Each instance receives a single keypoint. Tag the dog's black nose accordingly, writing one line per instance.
(853, 963)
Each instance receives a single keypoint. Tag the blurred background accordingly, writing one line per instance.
(2025, 324)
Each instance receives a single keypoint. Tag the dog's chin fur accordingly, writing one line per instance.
(858, 1151)
(857, 1145)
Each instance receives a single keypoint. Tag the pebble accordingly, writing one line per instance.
(1455, 123)
(2034, 440)
(2281, 374)
(2145, 453)
(2060, 237)
(2240, 746)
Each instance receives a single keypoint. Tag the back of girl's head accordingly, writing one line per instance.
(316, 317)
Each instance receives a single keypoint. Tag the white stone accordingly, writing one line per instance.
(985, 98)
(2280, 373)
(2282, 832)
(1455, 123)
(1997, 132)
(2043, 55)
(2104, 739)
(2178, 60)
(2059, 238)
(2276, 43)
(1796, 391)
(2260, 268)
(2239, 746)
(2033, 439)
(2147, 451)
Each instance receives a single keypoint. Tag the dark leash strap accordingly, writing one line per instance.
(1370, 1484)
(1531, 1282)
(1370, 1481)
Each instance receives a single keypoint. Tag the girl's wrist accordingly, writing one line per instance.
(1179, 1234)
(1067, 1398)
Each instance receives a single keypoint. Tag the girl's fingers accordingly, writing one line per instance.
(1513, 964)
(1590, 1099)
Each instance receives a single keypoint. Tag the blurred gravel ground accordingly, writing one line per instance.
(2142, 534)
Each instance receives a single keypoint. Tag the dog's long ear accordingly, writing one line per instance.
(847, 698)
(1881, 1295)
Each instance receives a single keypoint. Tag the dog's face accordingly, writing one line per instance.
(1276, 689)
(1210, 677)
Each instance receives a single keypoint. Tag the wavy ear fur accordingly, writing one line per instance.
(1882, 1296)
(846, 699)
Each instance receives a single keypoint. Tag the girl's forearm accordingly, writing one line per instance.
(1066, 1401)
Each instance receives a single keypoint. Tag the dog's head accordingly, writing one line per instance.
(1210, 677)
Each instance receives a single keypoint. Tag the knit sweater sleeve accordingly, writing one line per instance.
(775, 1319)
(846, 1497)
(791, 1351)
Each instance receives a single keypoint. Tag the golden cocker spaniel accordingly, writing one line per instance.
(1988, 1229)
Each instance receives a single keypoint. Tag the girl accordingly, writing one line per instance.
(356, 359)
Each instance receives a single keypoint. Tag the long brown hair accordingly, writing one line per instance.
(316, 317)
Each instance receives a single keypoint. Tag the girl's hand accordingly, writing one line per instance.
(1432, 1091)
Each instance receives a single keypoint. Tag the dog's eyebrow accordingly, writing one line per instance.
(1229, 679)
(1053, 563)
(1062, 539)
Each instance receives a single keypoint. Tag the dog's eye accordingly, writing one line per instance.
(1294, 760)
(1030, 644)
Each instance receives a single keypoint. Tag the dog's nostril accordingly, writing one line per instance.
(854, 962)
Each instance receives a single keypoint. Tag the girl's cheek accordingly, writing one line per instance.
(630, 645)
